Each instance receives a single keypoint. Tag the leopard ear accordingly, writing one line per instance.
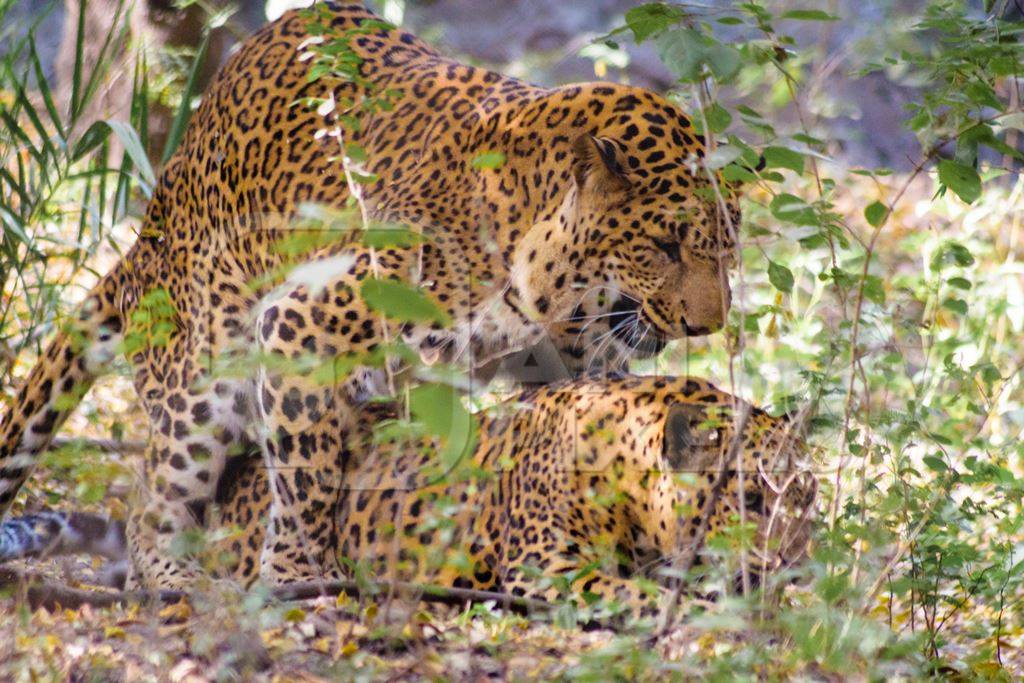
(689, 444)
(599, 162)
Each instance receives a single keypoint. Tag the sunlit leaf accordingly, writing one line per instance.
(440, 409)
(875, 213)
(961, 179)
(808, 15)
(492, 160)
(783, 157)
(399, 301)
(792, 209)
(780, 276)
(686, 52)
(647, 20)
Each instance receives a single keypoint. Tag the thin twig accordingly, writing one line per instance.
(104, 445)
(41, 593)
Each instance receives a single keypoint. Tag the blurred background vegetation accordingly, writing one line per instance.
(543, 42)
(881, 287)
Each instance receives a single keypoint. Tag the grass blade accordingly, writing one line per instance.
(18, 133)
(99, 69)
(30, 110)
(15, 228)
(140, 98)
(44, 88)
(181, 117)
(76, 74)
(94, 136)
(134, 149)
(14, 185)
(140, 120)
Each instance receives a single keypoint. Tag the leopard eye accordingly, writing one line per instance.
(671, 249)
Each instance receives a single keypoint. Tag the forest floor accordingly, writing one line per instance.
(220, 636)
(245, 637)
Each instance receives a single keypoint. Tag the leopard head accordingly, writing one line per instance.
(731, 469)
(639, 251)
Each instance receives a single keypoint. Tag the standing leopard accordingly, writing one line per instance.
(602, 228)
(598, 481)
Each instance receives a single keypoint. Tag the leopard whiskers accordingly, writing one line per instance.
(590, 322)
(636, 338)
(600, 343)
(603, 341)
(474, 325)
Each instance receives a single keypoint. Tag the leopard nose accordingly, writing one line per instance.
(695, 331)
(704, 317)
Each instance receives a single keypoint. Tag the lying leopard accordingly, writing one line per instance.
(592, 481)
(601, 228)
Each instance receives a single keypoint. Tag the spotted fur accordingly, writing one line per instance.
(621, 476)
(601, 229)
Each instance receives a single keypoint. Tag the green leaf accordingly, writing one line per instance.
(718, 118)
(780, 276)
(876, 213)
(364, 178)
(809, 15)
(685, 52)
(832, 588)
(983, 94)
(98, 61)
(384, 235)
(680, 51)
(399, 301)
(874, 289)
(738, 174)
(722, 156)
(792, 209)
(646, 20)
(28, 107)
(959, 283)
(493, 160)
(355, 153)
(952, 252)
(984, 134)
(961, 179)
(724, 61)
(15, 228)
(783, 157)
(955, 305)
(438, 407)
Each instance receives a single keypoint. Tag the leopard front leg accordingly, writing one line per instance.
(193, 430)
(540, 556)
(312, 339)
(607, 588)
